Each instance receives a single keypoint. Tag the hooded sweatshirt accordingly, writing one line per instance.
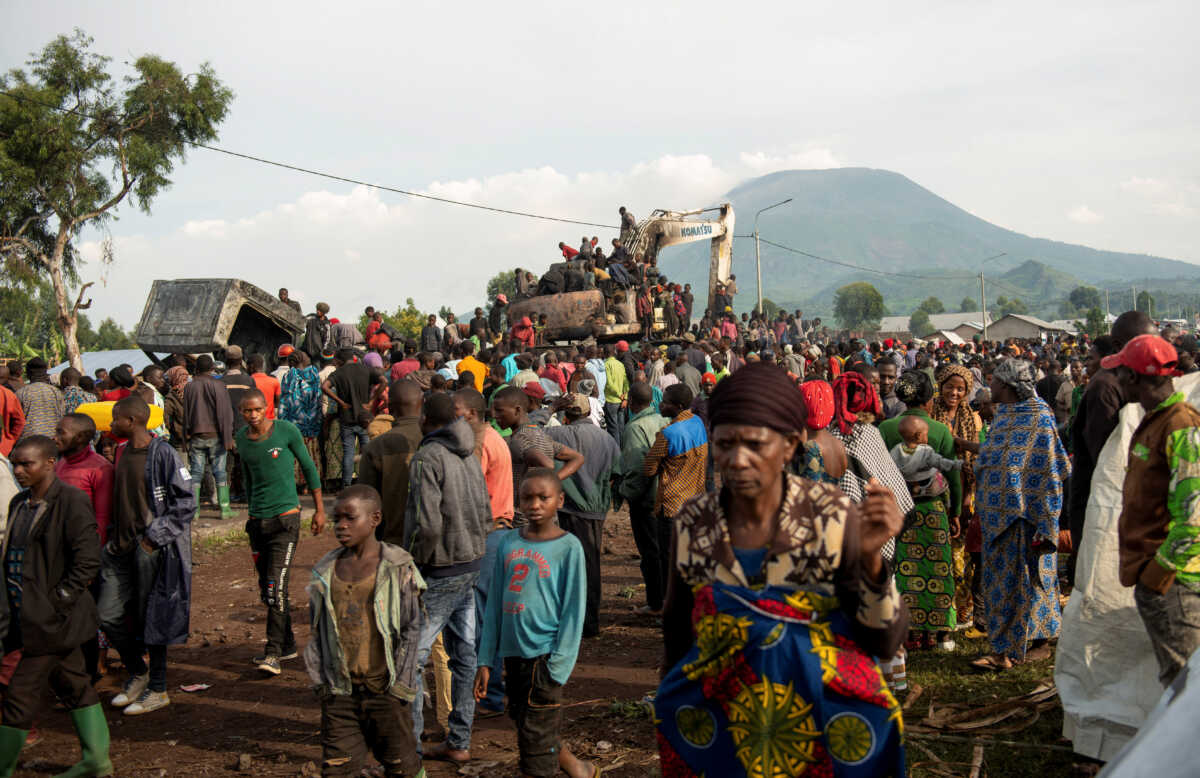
(448, 515)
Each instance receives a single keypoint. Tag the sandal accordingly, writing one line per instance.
(992, 663)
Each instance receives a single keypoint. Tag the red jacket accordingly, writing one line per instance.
(569, 252)
(92, 473)
(12, 420)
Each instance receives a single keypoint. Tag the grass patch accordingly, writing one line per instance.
(630, 710)
(948, 678)
(235, 536)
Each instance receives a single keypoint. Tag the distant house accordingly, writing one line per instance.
(897, 326)
(1017, 325)
(969, 329)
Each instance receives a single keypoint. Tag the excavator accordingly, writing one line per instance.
(578, 315)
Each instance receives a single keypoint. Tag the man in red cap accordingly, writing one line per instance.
(1159, 529)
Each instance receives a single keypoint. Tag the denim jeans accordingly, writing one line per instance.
(124, 593)
(495, 690)
(614, 420)
(1173, 622)
(351, 432)
(450, 610)
(210, 451)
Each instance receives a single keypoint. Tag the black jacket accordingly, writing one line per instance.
(62, 556)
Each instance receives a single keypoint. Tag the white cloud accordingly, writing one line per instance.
(362, 246)
(1081, 214)
(1145, 187)
(809, 159)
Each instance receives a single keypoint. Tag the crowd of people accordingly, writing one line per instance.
(808, 510)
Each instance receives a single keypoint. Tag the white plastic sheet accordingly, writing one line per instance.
(1105, 669)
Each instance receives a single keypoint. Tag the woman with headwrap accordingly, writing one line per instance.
(856, 408)
(924, 570)
(1021, 468)
(820, 457)
(177, 378)
(952, 408)
(777, 600)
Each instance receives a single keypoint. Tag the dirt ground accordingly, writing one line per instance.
(276, 721)
(251, 725)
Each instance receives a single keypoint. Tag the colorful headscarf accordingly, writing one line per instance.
(962, 421)
(177, 377)
(818, 398)
(853, 394)
(1018, 374)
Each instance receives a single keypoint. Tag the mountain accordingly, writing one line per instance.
(882, 221)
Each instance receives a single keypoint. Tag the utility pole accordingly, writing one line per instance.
(983, 304)
(1107, 312)
(758, 256)
(1133, 291)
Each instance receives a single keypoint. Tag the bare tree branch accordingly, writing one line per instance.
(79, 304)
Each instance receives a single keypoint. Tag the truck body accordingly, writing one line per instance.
(205, 315)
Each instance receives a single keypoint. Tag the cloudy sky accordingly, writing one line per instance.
(1073, 121)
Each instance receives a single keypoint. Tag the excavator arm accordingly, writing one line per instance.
(673, 228)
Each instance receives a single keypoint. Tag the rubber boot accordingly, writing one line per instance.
(223, 500)
(11, 742)
(92, 728)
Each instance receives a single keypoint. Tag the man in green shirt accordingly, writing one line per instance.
(616, 391)
(270, 449)
(644, 424)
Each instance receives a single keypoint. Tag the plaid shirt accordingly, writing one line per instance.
(679, 457)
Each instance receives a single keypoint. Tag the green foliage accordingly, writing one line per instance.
(73, 146)
(1084, 298)
(1005, 306)
(919, 324)
(858, 306)
(770, 310)
(1145, 303)
(1095, 326)
(408, 320)
(109, 335)
(931, 305)
(502, 283)
(968, 305)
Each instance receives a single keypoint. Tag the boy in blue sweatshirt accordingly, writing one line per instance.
(365, 601)
(534, 621)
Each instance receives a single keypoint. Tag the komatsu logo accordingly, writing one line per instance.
(699, 229)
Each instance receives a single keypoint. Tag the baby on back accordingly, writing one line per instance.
(922, 467)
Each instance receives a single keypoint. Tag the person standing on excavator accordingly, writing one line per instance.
(628, 225)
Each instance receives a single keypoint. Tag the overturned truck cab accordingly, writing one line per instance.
(206, 315)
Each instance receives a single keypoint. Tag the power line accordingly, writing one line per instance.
(331, 176)
(864, 269)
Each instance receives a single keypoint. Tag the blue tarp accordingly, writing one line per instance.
(110, 359)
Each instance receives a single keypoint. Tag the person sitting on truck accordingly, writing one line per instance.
(286, 299)
(567, 251)
(523, 331)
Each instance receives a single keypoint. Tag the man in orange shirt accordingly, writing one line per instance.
(470, 364)
(268, 385)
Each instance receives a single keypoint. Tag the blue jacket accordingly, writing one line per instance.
(173, 503)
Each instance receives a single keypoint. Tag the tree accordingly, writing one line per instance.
(73, 147)
(968, 305)
(1145, 303)
(1095, 326)
(919, 324)
(858, 306)
(445, 312)
(407, 320)
(1006, 306)
(1084, 298)
(109, 335)
(770, 310)
(501, 283)
(932, 305)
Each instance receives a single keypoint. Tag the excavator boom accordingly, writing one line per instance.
(672, 228)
